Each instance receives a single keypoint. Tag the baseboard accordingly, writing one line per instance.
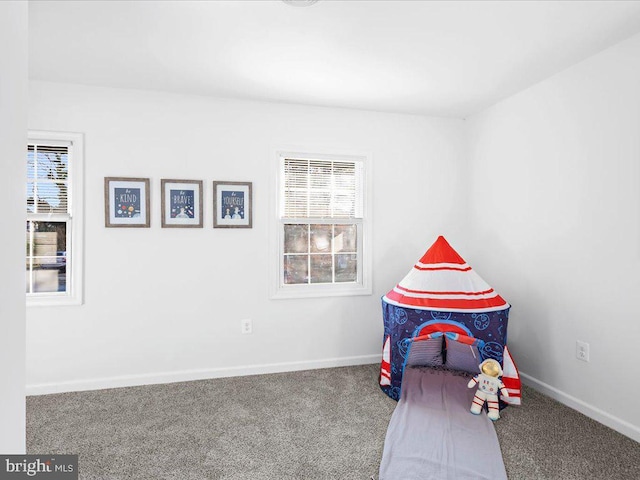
(619, 425)
(189, 375)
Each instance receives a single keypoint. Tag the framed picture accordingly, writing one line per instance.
(232, 205)
(126, 202)
(181, 203)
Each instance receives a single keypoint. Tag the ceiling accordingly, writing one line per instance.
(450, 58)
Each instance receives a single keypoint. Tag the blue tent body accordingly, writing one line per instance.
(443, 314)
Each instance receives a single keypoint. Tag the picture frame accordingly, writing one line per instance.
(181, 203)
(126, 202)
(232, 204)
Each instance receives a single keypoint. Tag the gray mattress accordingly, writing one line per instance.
(432, 435)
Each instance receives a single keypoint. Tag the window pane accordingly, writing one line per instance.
(296, 185)
(296, 269)
(296, 238)
(47, 197)
(345, 238)
(344, 175)
(297, 203)
(321, 238)
(320, 172)
(50, 163)
(343, 205)
(46, 261)
(346, 268)
(47, 179)
(321, 269)
(322, 189)
(319, 204)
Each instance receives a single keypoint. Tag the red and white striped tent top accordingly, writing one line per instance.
(443, 281)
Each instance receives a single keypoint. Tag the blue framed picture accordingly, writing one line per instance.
(232, 204)
(181, 203)
(126, 202)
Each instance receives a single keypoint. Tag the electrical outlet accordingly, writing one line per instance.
(246, 326)
(582, 351)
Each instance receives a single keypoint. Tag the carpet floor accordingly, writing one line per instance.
(312, 425)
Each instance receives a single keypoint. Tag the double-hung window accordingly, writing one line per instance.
(54, 218)
(323, 226)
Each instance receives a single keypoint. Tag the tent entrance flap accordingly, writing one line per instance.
(451, 350)
(426, 351)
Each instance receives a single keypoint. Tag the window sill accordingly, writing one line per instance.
(316, 291)
(53, 301)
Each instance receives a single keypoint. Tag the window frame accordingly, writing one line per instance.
(74, 219)
(363, 286)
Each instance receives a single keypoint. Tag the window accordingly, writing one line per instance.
(54, 219)
(322, 226)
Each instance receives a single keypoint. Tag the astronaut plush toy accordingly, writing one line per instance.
(488, 387)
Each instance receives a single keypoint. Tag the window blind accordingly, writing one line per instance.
(47, 179)
(322, 189)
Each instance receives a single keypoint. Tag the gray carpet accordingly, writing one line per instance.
(313, 425)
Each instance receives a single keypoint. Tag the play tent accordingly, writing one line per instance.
(442, 314)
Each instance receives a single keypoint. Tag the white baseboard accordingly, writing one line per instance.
(622, 426)
(189, 375)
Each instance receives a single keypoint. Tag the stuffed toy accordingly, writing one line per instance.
(488, 387)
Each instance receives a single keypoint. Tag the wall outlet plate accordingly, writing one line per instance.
(582, 351)
(246, 325)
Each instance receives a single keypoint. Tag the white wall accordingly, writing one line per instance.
(556, 172)
(166, 304)
(548, 215)
(13, 138)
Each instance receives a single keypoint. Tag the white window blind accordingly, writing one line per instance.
(47, 179)
(322, 189)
